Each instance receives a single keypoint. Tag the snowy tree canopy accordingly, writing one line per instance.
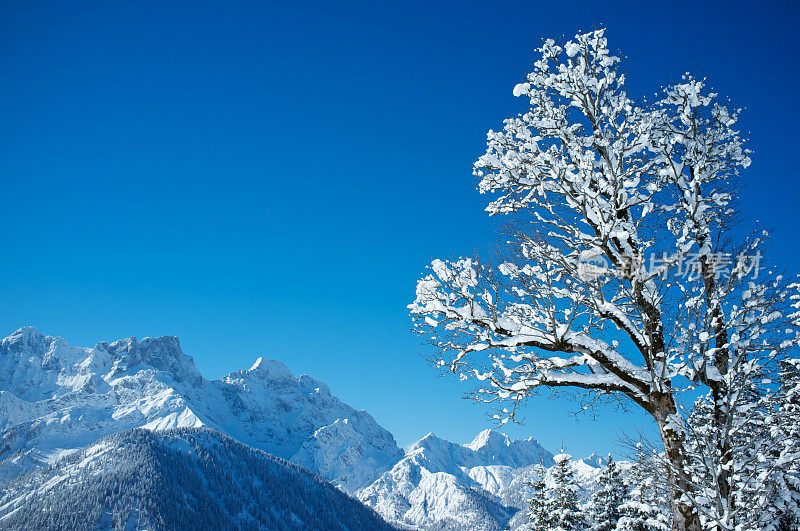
(622, 270)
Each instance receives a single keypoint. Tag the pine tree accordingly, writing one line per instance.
(540, 511)
(564, 498)
(605, 504)
(643, 510)
(762, 454)
(782, 512)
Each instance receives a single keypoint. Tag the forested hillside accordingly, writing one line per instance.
(184, 478)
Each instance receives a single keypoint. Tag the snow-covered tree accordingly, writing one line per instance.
(784, 484)
(622, 271)
(764, 451)
(604, 507)
(781, 498)
(540, 512)
(563, 497)
(643, 508)
(640, 515)
(747, 447)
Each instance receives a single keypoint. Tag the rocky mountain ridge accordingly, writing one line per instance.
(56, 398)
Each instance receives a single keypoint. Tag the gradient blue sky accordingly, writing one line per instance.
(271, 178)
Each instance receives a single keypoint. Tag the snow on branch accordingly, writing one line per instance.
(614, 274)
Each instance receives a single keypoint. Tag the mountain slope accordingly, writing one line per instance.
(178, 479)
(443, 485)
(484, 484)
(56, 398)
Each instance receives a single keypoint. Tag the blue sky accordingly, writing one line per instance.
(271, 178)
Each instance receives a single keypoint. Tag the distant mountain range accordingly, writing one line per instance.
(66, 413)
(480, 485)
(56, 398)
(443, 484)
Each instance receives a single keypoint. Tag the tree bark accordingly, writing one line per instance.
(684, 516)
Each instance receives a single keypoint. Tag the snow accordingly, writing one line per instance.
(572, 48)
(472, 479)
(257, 363)
(521, 89)
(61, 398)
(271, 368)
(184, 490)
(152, 384)
(485, 482)
(597, 185)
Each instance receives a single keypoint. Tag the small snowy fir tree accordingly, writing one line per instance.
(643, 509)
(604, 507)
(563, 497)
(540, 511)
(782, 493)
(760, 455)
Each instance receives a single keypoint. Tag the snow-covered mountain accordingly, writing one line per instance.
(186, 478)
(484, 484)
(444, 485)
(57, 401)
(56, 398)
(594, 460)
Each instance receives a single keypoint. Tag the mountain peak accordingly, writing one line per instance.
(185, 495)
(28, 331)
(428, 438)
(439, 483)
(28, 345)
(270, 368)
(152, 383)
(259, 361)
(486, 438)
(595, 460)
(430, 442)
(162, 353)
(27, 335)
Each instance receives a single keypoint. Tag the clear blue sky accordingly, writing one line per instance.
(271, 178)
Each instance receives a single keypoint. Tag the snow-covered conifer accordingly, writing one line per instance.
(605, 505)
(761, 456)
(644, 508)
(540, 512)
(563, 496)
(782, 492)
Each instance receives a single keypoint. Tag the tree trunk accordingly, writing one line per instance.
(684, 517)
(723, 428)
